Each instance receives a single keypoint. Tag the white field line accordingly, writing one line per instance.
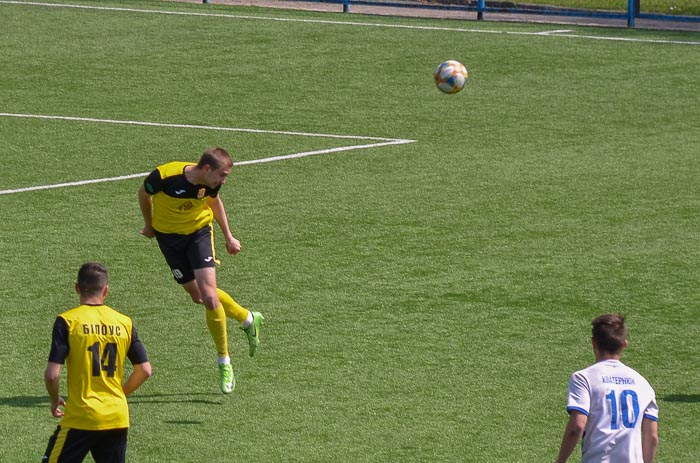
(354, 23)
(379, 142)
(324, 151)
(189, 126)
(67, 184)
(560, 31)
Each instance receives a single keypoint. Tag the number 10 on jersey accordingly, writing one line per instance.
(624, 408)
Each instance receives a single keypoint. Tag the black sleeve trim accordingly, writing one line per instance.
(153, 183)
(59, 341)
(137, 352)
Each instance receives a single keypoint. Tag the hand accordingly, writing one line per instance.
(233, 246)
(55, 410)
(148, 231)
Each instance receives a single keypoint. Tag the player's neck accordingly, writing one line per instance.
(92, 301)
(606, 356)
(193, 175)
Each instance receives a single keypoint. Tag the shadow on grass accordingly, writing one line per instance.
(183, 422)
(683, 398)
(188, 398)
(25, 401)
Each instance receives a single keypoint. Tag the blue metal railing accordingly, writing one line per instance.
(482, 7)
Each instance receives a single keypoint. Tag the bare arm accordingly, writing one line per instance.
(141, 373)
(650, 439)
(147, 211)
(572, 434)
(233, 246)
(51, 380)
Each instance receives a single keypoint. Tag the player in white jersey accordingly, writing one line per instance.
(611, 406)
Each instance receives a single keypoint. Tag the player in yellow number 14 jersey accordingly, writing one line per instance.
(93, 340)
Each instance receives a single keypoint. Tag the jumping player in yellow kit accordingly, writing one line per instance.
(93, 340)
(179, 201)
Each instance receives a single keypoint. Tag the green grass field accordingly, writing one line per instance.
(425, 301)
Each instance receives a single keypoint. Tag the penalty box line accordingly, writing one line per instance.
(377, 142)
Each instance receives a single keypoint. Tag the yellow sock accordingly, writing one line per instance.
(216, 321)
(231, 307)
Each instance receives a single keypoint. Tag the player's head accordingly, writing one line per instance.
(216, 158)
(609, 334)
(216, 164)
(92, 279)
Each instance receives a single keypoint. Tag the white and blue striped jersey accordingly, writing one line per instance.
(615, 398)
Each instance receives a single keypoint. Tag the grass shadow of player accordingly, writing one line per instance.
(25, 401)
(189, 398)
(683, 398)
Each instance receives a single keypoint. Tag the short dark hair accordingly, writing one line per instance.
(610, 333)
(92, 278)
(217, 158)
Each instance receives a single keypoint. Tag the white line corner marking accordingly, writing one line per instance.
(378, 142)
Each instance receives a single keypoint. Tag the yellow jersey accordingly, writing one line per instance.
(93, 342)
(179, 207)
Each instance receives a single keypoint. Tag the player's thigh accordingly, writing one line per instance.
(206, 279)
(68, 445)
(111, 447)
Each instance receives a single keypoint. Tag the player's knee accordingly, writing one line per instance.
(211, 302)
(193, 291)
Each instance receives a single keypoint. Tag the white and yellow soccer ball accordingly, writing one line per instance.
(451, 76)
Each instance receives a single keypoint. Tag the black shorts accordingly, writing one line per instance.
(68, 445)
(185, 253)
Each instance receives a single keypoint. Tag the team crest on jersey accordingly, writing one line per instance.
(201, 193)
(186, 206)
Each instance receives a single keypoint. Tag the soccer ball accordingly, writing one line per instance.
(450, 76)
